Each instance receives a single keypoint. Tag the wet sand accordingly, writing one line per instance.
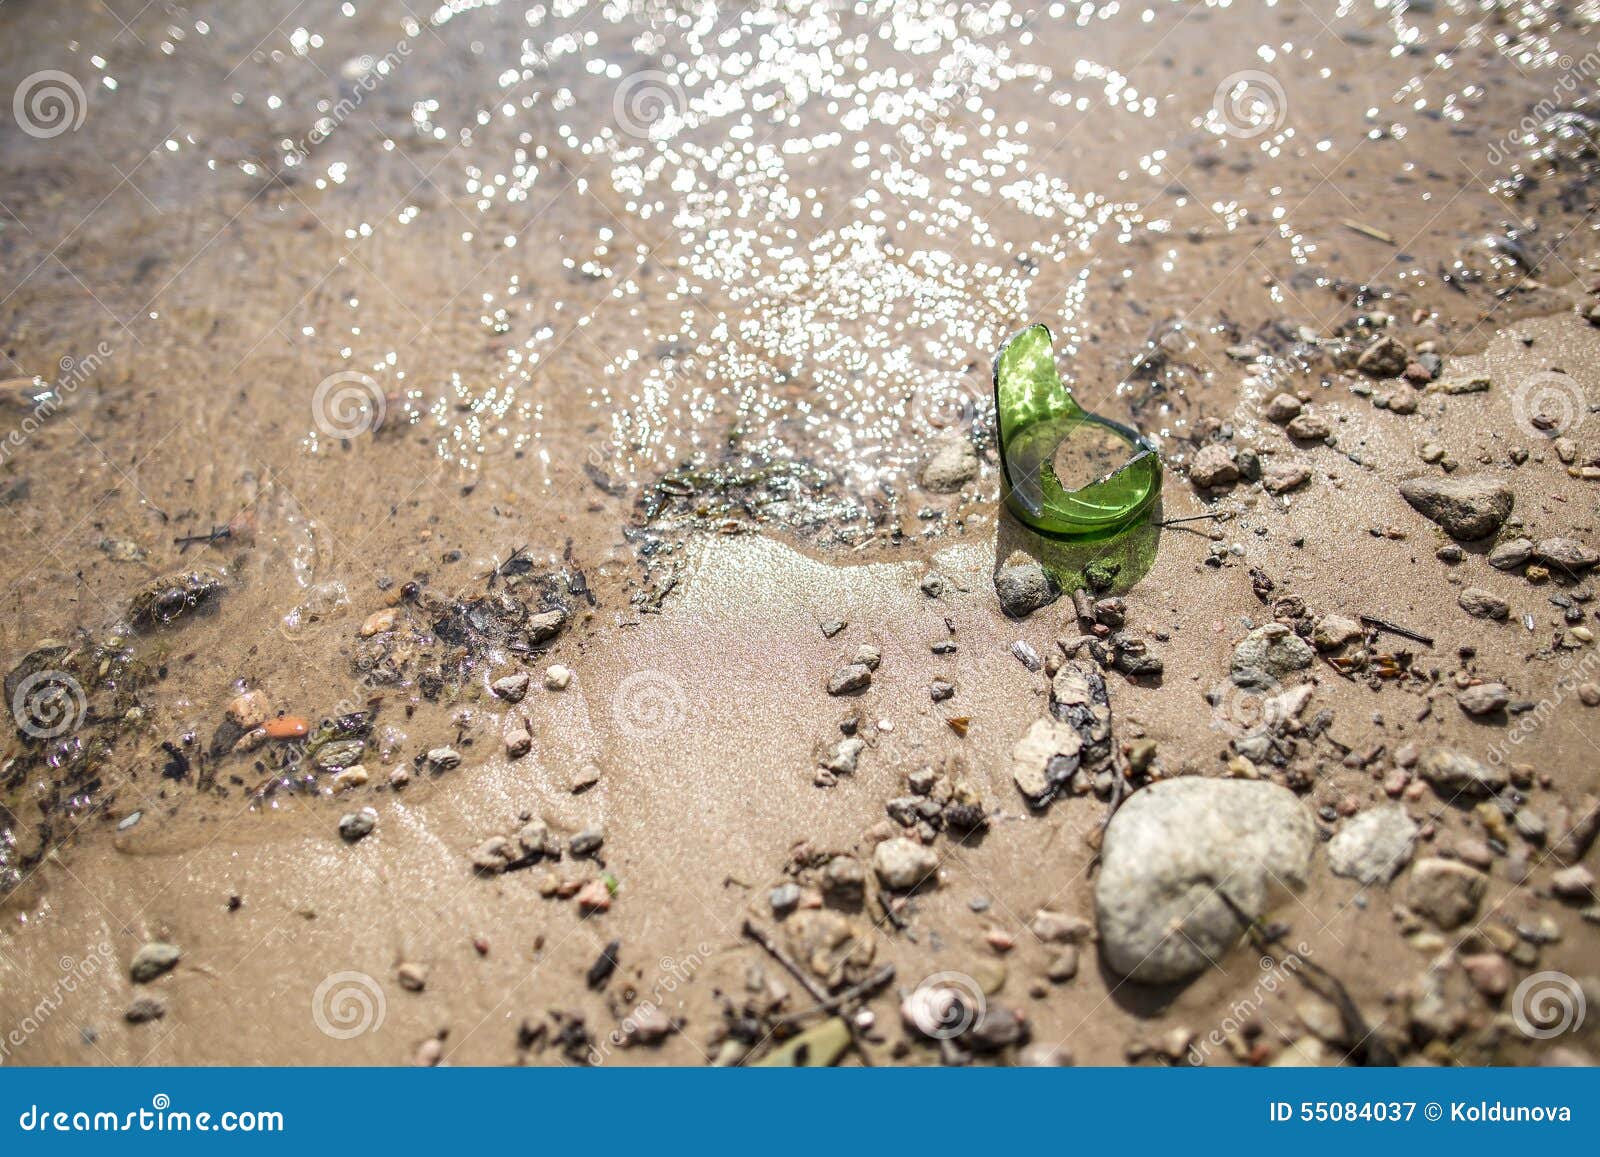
(699, 387)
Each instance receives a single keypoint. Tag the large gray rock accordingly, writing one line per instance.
(1168, 852)
(1374, 845)
(1470, 507)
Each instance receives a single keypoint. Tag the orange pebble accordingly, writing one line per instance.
(286, 727)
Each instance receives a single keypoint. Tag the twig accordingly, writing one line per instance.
(1393, 629)
(215, 535)
(818, 993)
(1220, 515)
(760, 936)
(1367, 231)
(866, 988)
(1369, 1048)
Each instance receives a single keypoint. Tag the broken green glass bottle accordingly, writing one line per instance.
(1066, 473)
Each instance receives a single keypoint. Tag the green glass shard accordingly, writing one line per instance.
(1066, 473)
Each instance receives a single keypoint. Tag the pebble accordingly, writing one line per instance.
(1489, 972)
(586, 842)
(902, 864)
(844, 756)
(586, 777)
(512, 688)
(144, 1009)
(785, 898)
(1039, 1055)
(941, 689)
(1467, 507)
(1484, 698)
(1282, 477)
(850, 678)
(1309, 428)
(349, 779)
(355, 826)
(546, 625)
(1589, 694)
(493, 856)
(1453, 773)
(1574, 883)
(1273, 649)
(1384, 358)
(1283, 408)
(1334, 631)
(953, 463)
(412, 977)
(1023, 588)
(1565, 554)
(1163, 851)
(557, 677)
(1446, 892)
(444, 758)
(1060, 928)
(249, 711)
(152, 960)
(1511, 554)
(380, 621)
(1374, 845)
(518, 743)
(1213, 466)
(1482, 604)
(1064, 967)
(594, 897)
(1044, 759)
